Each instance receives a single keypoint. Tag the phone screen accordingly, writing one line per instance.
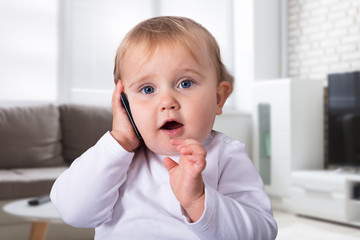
(126, 105)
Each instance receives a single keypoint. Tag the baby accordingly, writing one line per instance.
(184, 180)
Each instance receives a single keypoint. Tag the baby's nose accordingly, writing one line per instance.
(169, 102)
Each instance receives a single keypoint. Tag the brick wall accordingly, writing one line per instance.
(323, 37)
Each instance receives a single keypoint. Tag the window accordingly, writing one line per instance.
(92, 31)
(63, 50)
(28, 47)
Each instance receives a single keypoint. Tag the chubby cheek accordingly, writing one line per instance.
(202, 128)
(142, 118)
(202, 119)
(145, 120)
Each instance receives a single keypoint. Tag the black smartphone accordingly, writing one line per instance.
(126, 105)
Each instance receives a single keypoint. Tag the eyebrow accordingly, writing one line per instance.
(142, 79)
(192, 71)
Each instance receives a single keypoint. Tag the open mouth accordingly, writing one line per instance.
(171, 125)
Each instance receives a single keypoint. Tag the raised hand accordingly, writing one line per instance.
(185, 177)
(122, 129)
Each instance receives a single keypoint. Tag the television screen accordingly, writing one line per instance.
(344, 119)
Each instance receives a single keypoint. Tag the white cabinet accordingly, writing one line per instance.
(288, 131)
(327, 195)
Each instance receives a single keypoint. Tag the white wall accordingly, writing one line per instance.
(244, 54)
(28, 50)
(267, 39)
(260, 48)
(237, 126)
(323, 37)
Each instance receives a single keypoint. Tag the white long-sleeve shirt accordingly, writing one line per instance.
(128, 195)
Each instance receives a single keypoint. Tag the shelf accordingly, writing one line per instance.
(354, 201)
(335, 204)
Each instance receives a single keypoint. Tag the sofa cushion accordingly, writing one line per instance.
(30, 137)
(82, 126)
(28, 182)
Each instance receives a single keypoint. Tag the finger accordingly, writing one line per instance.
(177, 141)
(181, 143)
(116, 95)
(169, 163)
(189, 147)
(118, 109)
(195, 148)
(199, 162)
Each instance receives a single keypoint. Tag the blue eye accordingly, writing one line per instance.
(147, 90)
(186, 84)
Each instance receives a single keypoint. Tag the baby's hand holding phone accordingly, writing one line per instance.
(122, 128)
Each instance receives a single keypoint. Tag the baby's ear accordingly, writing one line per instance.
(223, 92)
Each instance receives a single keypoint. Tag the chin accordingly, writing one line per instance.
(166, 151)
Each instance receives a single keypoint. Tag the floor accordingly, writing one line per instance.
(295, 228)
(291, 227)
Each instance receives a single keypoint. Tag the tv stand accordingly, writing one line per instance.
(346, 170)
(331, 195)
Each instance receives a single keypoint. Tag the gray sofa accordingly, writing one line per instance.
(37, 143)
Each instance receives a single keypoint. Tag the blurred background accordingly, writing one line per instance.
(281, 53)
(63, 51)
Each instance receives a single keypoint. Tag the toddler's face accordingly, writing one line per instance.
(171, 95)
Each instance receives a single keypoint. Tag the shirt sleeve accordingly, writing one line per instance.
(239, 208)
(85, 194)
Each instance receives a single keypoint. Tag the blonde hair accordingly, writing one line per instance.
(172, 30)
